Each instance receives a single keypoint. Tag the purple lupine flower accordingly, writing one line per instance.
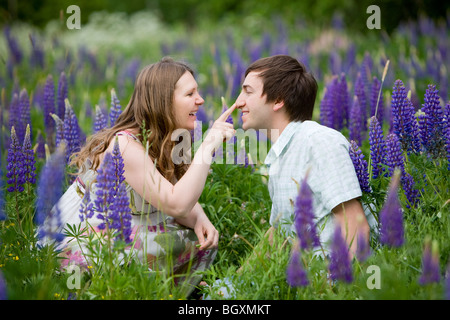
(447, 130)
(71, 131)
(100, 121)
(304, 223)
(87, 206)
(344, 100)
(363, 247)
(295, 272)
(403, 119)
(365, 70)
(2, 194)
(61, 96)
(394, 155)
(115, 110)
(329, 107)
(106, 182)
(360, 165)
(120, 214)
(340, 263)
(14, 166)
(395, 159)
(29, 168)
(3, 289)
(431, 124)
(118, 163)
(16, 52)
(40, 149)
(355, 122)
(360, 92)
(430, 263)
(49, 107)
(24, 115)
(376, 106)
(14, 111)
(391, 216)
(49, 191)
(37, 53)
(377, 147)
(411, 193)
(112, 199)
(59, 125)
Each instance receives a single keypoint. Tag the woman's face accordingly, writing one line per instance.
(186, 102)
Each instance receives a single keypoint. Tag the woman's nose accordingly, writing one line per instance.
(199, 100)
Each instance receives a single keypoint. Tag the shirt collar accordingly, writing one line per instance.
(281, 143)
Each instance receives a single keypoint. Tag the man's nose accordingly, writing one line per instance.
(240, 102)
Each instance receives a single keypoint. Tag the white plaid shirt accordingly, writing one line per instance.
(332, 178)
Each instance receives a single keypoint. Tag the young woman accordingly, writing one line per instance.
(169, 226)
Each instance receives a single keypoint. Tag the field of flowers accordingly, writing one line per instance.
(387, 93)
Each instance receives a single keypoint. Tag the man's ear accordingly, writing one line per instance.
(278, 105)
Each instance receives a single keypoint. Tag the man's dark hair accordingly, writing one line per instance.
(286, 79)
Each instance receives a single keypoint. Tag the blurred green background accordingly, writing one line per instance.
(192, 13)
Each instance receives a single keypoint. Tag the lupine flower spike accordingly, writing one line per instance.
(49, 191)
(340, 263)
(360, 165)
(430, 263)
(71, 130)
(112, 201)
(115, 110)
(28, 159)
(447, 123)
(14, 168)
(431, 124)
(49, 107)
(391, 216)
(377, 147)
(404, 122)
(304, 223)
(100, 121)
(61, 96)
(295, 272)
(355, 121)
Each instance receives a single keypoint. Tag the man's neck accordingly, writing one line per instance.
(277, 127)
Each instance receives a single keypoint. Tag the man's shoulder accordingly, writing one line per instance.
(311, 132)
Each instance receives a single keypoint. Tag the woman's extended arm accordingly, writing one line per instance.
(175, 200)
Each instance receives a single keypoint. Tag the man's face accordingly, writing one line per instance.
(256, 112)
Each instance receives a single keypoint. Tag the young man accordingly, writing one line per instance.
(278, 95)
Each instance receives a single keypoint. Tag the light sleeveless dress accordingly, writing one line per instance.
(157, 239)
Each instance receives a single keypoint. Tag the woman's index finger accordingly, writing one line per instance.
(227, 112)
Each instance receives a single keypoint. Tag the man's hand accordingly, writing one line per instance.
(352, 220)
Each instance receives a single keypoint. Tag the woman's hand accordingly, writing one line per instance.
(220, 131)
(207, 234)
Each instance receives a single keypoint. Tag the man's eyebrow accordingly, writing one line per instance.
(246, 86)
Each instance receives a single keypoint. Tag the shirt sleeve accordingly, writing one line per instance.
(332, 178)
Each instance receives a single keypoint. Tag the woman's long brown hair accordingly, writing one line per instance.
(150, 111)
